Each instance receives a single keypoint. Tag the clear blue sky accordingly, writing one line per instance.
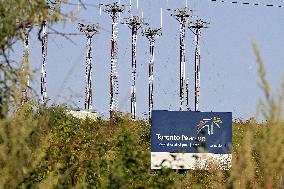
(228, 67)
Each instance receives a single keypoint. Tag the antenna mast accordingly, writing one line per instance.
(114, 10)
(151, 34)
(196, 27)
(134, 23)
(89, 31)
(181, 15)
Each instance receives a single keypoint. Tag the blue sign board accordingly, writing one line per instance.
(190, 132)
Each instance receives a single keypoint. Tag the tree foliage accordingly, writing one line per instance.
(15, 15)
(48, 148)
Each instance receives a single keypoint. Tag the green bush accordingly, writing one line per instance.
(47, 148)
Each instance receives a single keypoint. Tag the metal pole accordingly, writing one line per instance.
(181, 15)
(114, 73)
(113, 10)
(134, 66)
(43, 65)
(44, 56)
(88, 89)
(89, 30)
(151, 34)
(151, 77)
(196, 27)
(197, 70)
(134, 23)
(182, 63)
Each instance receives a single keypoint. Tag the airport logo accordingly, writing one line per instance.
(209, 123)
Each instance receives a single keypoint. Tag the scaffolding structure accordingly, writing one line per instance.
(134, 23)
(114, 11)
(43, 65)
(152, 35)
(196, 27)
(89, 31)
(181, 15)
(25, 30)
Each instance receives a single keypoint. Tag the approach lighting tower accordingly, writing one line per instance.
(25, 30)
(196, 27)
(43, 64)
(134, 23)
(151, 34)
(181, 15)
(89, 31)
(114, 11)
(43, 37)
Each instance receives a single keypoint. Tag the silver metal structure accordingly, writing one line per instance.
(89, 31)
(196, 29)
(181, 15)
(114, 10)
(43, 65)
(151, 34)
(134, 23)
(44, 38)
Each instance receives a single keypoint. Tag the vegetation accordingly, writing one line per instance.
(14, 16)
(48, 148)
(45, 147)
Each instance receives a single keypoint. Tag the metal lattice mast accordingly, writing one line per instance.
(196, 29)
(134, 23)
(43, 65)
(89, 30)
(114, 10)
(151, 34)
(25, 65)
(181, 15)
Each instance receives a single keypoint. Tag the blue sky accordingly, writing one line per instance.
(228, 67)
